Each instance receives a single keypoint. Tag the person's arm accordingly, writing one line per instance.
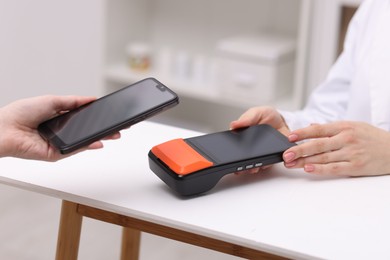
(19, 120)
(329, 101)
(347, 148)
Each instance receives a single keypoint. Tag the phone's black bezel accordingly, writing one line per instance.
(65, 148)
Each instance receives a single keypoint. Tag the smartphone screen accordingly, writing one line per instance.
(107, 115)
(242, 144)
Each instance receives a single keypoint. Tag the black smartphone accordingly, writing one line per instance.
(195, 165)
(107, 115)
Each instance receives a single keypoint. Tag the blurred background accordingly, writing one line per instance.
(221, 57)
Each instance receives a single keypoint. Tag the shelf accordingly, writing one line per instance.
(122, 74)
(196, 29)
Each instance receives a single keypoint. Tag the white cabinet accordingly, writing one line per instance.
(183, 37)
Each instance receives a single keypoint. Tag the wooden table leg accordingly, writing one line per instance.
(130, 244)
(69, 232)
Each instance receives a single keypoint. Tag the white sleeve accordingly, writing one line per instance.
(329, 101)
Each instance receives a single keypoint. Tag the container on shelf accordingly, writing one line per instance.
(257, 68)
(139, 56)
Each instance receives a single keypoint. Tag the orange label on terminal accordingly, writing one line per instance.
(180, 157)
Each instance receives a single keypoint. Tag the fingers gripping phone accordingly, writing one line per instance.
(195, 165)
(107, 115)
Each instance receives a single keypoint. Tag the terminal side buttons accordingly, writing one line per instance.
(249, 166)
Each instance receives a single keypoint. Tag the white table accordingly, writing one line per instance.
(283, 213)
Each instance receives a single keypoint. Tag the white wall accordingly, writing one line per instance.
(50, 47)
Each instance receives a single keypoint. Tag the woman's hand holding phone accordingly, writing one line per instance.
(106, 116)
(19, 121)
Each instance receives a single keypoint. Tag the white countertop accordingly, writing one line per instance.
(285, 212)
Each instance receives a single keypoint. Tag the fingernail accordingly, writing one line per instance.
(308, 168)
(288, 157)
(293, 137)
(291, 164)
